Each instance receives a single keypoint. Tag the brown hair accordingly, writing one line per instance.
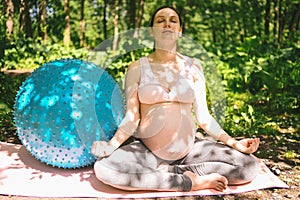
(163, 7)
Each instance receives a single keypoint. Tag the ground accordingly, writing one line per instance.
(280, 153)
(271, 151)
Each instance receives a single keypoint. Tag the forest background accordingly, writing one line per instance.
(255, 45)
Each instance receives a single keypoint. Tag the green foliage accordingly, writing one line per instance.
(118, 68)
(260, 71)
(9, 86)
(261, 81)
(26, 53)
(269, 74)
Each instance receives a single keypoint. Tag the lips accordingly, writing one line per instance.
(167, 31)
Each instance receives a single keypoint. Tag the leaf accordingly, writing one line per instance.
(250, 110)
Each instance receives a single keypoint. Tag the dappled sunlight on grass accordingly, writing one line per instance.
(283, 141)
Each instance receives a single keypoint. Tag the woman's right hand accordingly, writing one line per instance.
(102, 149)
(247, 145)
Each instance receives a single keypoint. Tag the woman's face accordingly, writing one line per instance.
(166, 24)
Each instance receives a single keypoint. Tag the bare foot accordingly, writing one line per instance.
(210, 181)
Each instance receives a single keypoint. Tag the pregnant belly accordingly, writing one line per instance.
(168, 131)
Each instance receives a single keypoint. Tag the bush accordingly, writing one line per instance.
(26, 53)
(269, 74)
(9, 86)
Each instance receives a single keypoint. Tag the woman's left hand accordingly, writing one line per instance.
(247, 146)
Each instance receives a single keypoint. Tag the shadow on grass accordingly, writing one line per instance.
(281, 142)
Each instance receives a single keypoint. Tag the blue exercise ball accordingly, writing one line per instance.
(63, 107)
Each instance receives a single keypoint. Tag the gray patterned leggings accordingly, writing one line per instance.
(134, 167)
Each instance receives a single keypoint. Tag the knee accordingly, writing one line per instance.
(245, 171)
(252, 164)
(250, 168)
(113, 176)
(103, 173)
(253, 167)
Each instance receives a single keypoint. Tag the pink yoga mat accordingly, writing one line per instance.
(22, 175)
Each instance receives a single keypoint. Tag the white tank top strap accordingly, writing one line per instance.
(146, 73)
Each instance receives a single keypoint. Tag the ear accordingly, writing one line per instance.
(180, 32)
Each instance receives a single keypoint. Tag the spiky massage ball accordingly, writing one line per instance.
(63, 107)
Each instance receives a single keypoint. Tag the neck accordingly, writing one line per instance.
(166, 45)
(162, 56)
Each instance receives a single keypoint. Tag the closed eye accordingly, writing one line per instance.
(160, 20)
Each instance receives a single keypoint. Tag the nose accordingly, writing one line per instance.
(167, 24)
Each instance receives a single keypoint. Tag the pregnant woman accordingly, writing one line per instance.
(165, 102)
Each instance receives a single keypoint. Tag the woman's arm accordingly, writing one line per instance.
(132, 116)
(202, 114)
(209, 124)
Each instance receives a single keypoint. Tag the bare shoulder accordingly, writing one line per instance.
(193, 61)
(134, 65)
(133, 71)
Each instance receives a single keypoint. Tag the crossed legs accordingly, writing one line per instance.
(208, 165)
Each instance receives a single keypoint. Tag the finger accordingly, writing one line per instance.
(93, 149)
(256, 144)
(93, 146)
(257, 141)
(252, 147)
(98, 149)
(250, 141)
(255, 147)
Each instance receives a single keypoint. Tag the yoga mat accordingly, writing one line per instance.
(23, 175)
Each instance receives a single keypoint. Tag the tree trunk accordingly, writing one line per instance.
(298, 21)
(234, 16)
(241, 31)
(257, 10)
(224, 22)
(82, 25)
(132, 14)
(116, 25)
(293, 25)
(9, 5)
(25, 21)
(267, 19)
(67, 31)
(282, 13)
(104, 20)
(275, 23)
(139, 18)
(3, 36)
(214, 32)
(244, 23)
(43, 21)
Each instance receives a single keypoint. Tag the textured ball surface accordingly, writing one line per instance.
(63, 107)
